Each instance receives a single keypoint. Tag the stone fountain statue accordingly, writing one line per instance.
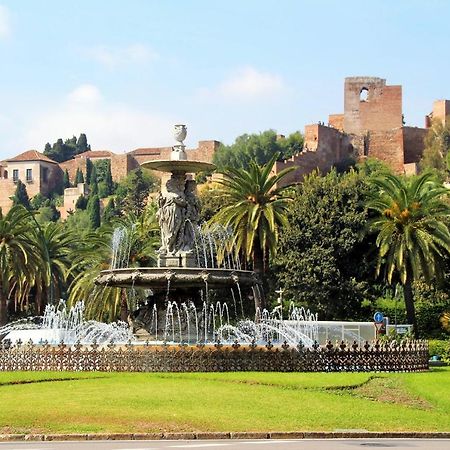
(185, 273)
(178, 206)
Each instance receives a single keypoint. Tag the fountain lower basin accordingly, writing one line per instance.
(157, 278)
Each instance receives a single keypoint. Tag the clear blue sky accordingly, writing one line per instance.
(125, 71)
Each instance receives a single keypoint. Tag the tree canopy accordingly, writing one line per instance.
(259, 148)
(62, 151)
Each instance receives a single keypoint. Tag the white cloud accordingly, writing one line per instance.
(108, 125)
(247, 83)
(113, 57)
(5, 24)
(86, 93)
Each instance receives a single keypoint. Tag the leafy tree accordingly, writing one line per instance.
(19, 257)
(55, 247)
(133, 191)
(436, 152)
(95, 255)
(81, 202)
(93, 209)
(110, 211)
(47, 214)
(82, 144)
(21, 196)
(89, 167)
(38, 201)
(325, 231)
(93, 184)
(104, 178)
(79, 177)
(210, 201)
(109, 182)
(66, 180)
(64, 150)
(255, 210)
(413, 238)
(257, 147)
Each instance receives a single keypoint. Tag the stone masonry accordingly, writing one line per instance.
(371, 126)
(46, 174)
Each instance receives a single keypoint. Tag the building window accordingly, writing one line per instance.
(364, 95)
(16, 175)
(29, 175)
(5, 174)
(44, 174)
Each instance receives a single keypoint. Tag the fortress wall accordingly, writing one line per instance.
(413, 144)
(387, 146)
(382, 110)
(336, 121)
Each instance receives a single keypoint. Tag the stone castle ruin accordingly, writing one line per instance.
(370, 126)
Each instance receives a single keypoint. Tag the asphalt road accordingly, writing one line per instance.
(302, 444)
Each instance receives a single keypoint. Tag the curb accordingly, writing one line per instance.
(222, 435)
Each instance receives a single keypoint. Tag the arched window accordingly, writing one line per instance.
(364, 95)
(5, 174)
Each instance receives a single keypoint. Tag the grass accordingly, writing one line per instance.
(56, 402)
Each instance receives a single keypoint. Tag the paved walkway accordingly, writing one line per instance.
(301, 444)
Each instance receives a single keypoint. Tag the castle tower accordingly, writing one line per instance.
(371, 105)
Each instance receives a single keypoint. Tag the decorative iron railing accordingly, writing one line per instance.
(407, 356)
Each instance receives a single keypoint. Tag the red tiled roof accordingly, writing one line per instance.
(95, 154)
(32, 155)
(150, 151)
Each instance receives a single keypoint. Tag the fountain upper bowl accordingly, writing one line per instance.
(185, 166)
(157, 278)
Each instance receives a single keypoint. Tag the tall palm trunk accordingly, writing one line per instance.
(123, 305)
(409, 303)
(3, 308)
(258, 268)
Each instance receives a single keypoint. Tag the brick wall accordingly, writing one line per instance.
(72, 165)
(441, 110)
(121, 165)
(336, 121)
(413, 143)
(324, 147)
(387, 146)
(381, 111)
(7, 189)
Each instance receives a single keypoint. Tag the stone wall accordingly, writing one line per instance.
(336, 121)
(381, 111)
(324, 146)
(387, 146)
(407, 356)
(72, 165)
(7, 190)
(45, 178)
(413, 143)
(121, 165)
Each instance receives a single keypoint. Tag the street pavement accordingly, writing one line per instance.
(300, 444)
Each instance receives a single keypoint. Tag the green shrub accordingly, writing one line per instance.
(439, 347)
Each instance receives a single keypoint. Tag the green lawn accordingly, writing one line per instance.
(137, 402)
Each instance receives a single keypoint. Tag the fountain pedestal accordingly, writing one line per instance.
(182, 259)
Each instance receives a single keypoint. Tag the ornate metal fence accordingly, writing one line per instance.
(407, 356)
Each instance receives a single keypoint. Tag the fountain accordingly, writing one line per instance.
(196, 318)
(191, 262)
(68, 325)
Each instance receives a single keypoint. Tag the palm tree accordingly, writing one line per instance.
(108, 303)
(19, 257)
(413, 236)
(255, 209)
(55, 247)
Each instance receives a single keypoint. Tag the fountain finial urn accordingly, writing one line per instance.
(179, 133)
(179, 150)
